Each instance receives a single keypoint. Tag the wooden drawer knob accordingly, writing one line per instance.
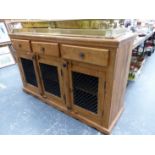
(19, 45)
(82, 55)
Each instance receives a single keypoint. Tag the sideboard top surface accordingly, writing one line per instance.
(93, 41)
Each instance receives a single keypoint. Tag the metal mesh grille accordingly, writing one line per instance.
(50, 79)
(29, 72)
(85, 91)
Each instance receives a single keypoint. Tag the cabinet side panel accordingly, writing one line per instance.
(109, 87)
(121, 71)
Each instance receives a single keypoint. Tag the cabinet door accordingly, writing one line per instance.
(87, 91)
(50, 72)
(28, 68)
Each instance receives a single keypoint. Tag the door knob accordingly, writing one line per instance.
(64, 65)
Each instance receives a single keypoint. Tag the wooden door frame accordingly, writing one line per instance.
(101, 85)
(28, 86)
(53, 61)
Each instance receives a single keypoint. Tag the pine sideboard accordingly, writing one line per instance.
(84, 77)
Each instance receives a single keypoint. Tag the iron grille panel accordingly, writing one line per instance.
(29, 71)
(85, 91)
(50, 79)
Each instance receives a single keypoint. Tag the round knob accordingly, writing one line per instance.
(64, 65)
(82, 55)
(19, 45)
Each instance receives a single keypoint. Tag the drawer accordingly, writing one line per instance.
(43, 48)
(21, 45)
(85, 54)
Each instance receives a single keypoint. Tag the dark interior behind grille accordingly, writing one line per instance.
(85, 91)
(50, 79)
(29, 71)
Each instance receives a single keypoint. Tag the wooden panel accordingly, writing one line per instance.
(85, 54)
(21, 45)
(101, 98)
(66, 84)
(108, 87)
(123, 58)
(87, 70)
(44, 48)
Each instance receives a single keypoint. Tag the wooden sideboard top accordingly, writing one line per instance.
(90, 41)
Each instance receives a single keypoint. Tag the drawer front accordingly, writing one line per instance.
(43, 48)
(85, 54)
(21, 45)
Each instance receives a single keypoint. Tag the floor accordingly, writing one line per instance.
(23, 114)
